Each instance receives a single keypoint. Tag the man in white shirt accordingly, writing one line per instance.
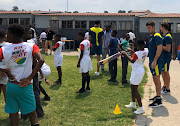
(131, 40)
(43, 38)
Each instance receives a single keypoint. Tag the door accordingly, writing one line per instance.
(54, 24)
(170, 28)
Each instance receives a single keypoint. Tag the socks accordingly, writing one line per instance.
(84, 79)
(88, 81)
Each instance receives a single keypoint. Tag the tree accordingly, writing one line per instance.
(129, 11)
(15, 8)
(75, 12)
(105, 11)
(121, 11)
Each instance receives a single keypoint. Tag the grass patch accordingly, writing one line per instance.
(93, 108)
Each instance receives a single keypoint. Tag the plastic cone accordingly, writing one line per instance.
(117, 110)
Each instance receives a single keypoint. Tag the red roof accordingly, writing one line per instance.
(90, 14)
(161, 15)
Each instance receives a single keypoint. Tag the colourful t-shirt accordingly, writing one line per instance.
(96, 35)
(18, 58)
(85, 46)
(167, 39)
(154, 41)
(125, 45)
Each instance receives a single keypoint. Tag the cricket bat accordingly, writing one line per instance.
(108, 59)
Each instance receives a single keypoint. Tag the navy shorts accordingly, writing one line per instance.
(157, 71)
(166, 66)
(96, 49)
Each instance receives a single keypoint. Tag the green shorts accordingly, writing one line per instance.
(19, 98)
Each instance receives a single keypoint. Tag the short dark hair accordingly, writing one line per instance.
(2, 34)
(140, 42)
(114, 32)
(81, 34)
(16, 29)
(150, 23)
(130, 30)
(58, 35)
(97, 22)
(165, 25)
(108, 26)
(43, 30)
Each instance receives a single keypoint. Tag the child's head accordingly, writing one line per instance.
(127, 37)
(15, 33)
(57, 37)
(27, 34)
(81, 36)
(140, 44)
(2, 35)
(114, 33)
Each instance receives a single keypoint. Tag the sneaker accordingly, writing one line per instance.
(46, 98)
(87, 88)
(125, 82)
(156, 103)
(163, 89)
(112, 80)
(153, 99)
(46, 54)
(166, 92)
(50, 54)
(102, 70)
(139, 111)
(97, 73)
(131, 105)
(81, 91)
(57, 82)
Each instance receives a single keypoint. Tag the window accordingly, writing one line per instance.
(91, 24)
(178, 28)
(80, 24)
(112, 23)
(25, 21)
(3, 21)
(13, 21)
(67, 24)
(125, 25)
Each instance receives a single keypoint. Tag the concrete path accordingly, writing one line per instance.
(169, 114)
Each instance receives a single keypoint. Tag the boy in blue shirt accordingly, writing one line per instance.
(113, 49)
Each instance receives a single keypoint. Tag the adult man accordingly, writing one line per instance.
(49, 41)
(167, 44)
(96, 36)
(18, 59)
(107, 38)
(125, 46)
(131, 39)
(43, 38)
(155, 61)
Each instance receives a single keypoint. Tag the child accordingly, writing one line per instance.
(18, 59)
(58, 57)
(42, 76)
(3, 77)
(113, 49)
(137, 74)
(84, 63)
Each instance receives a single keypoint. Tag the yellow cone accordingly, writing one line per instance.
(117, 110)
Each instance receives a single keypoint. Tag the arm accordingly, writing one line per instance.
(129, 58)
(82, 52)
(8, 73)
(56, 46)
(102, 39)
(167, 48)
(90, 38)
(158, 53)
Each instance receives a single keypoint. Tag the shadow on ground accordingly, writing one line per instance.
(170, 99)
(143, 120)
(82, 95)
(55, 86)
(160, 111)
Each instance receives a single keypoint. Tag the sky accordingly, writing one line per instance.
(98, 6)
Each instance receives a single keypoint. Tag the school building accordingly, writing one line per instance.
(69, 24)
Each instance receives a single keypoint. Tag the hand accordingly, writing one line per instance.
(153, 65)
(41, 75)
(25, 82)
(2, 74)
(129, 50)
(123, 52)
(48, 82)
(10, 76)
(78, 65)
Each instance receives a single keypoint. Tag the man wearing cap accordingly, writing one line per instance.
(107, 38)
(49, 41)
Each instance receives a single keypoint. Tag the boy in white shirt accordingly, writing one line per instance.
(58, 57)
(84, 63)
(43, 38)
(137, 74)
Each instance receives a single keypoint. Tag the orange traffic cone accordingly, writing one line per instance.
(117, 110)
